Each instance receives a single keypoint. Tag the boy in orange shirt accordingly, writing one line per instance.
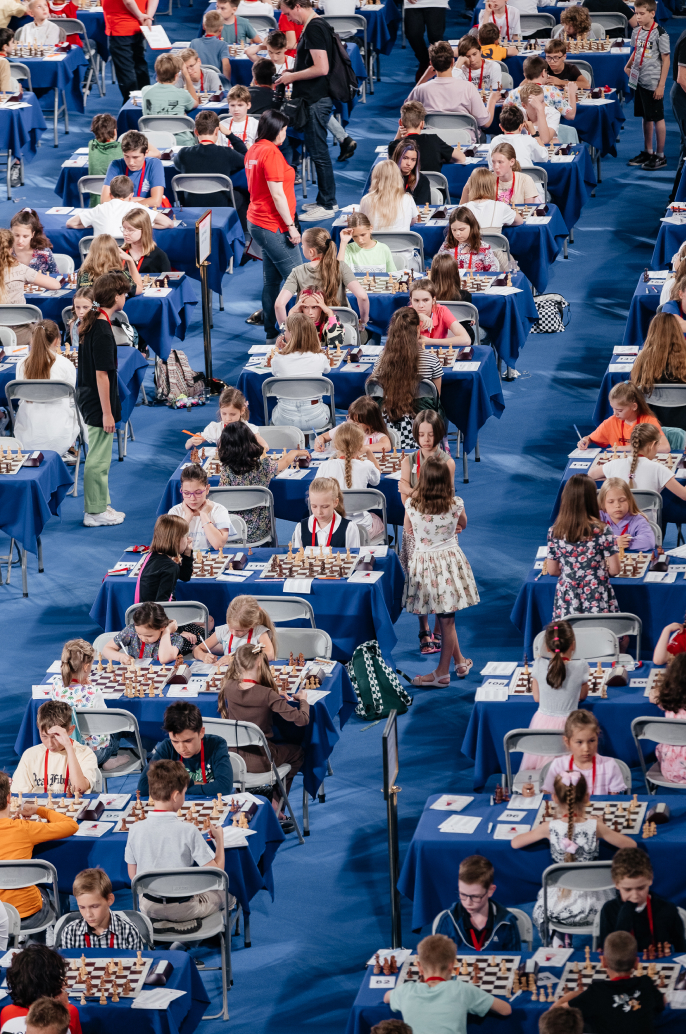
(17, 840)
(491, 47)
(629, 408)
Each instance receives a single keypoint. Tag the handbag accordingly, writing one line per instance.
(554, 313)
(296, 112)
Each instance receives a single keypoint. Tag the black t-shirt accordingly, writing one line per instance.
(622, 915)
(156, 262)
(679, 55)
(628, 1005)
(433, 151)
(422, 190)
(97, 352)
(211, 158)
(569, 72)
(263, 99)
(611, 7)
(317, 35)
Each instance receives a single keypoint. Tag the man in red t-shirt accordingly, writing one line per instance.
(123, 21)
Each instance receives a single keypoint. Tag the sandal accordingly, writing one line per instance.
(426, 643)
(462, 670)
(442, 682)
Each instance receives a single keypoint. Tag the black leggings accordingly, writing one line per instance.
(431, 19)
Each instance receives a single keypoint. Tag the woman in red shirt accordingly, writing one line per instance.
(271, 212)
(36, 972)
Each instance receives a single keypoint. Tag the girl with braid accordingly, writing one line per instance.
(640, 469)
(573, 838)
(352, 471)
(76, 689)
(558, 684)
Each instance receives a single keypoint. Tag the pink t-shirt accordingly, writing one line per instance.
(442, 320)
(608, 778)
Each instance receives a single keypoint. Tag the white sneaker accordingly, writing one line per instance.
(117, 513)
(313, 204)
(99, 520)
(116, 761)
(317, 214)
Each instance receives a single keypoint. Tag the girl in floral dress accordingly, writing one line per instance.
(670, 695)
(582, 551)
(439, 579)
(464, 243)
(31, 246)
(245, 465)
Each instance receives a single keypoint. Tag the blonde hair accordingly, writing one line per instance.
(642, 435)
(386, 194)
(167, 67)
(239, 92)
(245, 612)
(244, 659)
(103, 256)
(7, 260)
(41, 357)
(140, 221)
(212, 21)
(529, 89)
(303, 335)
(630, 393)
(76, 654)
(508, 151)
(331, 486)
(481, 185)
(437, 952)
(348, 438)
(620, 485)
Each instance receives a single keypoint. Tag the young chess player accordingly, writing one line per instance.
(514, 132)
(327, 524)
(17, 841)
(209, 523)
(140, 162)
(636, 998)
(240, 122)
(205, 757)
(246, 622)
(636, 909)
(237, 29)
(232, 408)
(433, 151)
(474, 67)
(165, 98)
(648, 68)
(58, 761)
(211, 48)
(150, 635)
(162, 842)
(99, 926)
(544, 105)
(36, 973)
(45, 1016)
(581, 736)
(41, 31)
(107, 217)
(205, 80)
(437, 1002)
(561, 71)
(503, 16)
(475, 920)
(489, 40)
(629, 408)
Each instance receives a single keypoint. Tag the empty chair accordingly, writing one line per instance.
(439, 183)
(621, 624)
(189, 188)
(287, 608)
(64, 263)
(310, 642)
(610, 21)
(530, 24)
(282, 436)
(405, 247)
(530, 741)
(450, 123)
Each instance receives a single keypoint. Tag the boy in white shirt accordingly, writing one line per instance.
(58, 760)
(107, 216)
(239, 122)
(470, 65)
(40, 31)
(246, 8)
(502, 15)
(527, 150)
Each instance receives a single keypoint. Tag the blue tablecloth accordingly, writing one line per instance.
(129, 113)
(490, 720)
(29, 498)
(429, 872)
(317, 739)
(61, 75)
(20, 128)
(248, 868)
(681, 189)
(670, 237)
(644, 303)
(94, 24)
(469, 399)
(368, 1008)
(608, 68)
(178, 242)
(350, 613)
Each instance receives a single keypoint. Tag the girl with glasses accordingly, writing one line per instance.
(209, 523)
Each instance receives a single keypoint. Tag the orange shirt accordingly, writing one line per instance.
(615, 430)
(17, 840)
(265, 164)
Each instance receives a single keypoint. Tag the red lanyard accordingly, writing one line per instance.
(202, 765)
(434, 980)
(140, 182)
(244, 131)
(105, 315)
(88, 940)
(478, 942)
(248, 640)
(571, 766)
(419, 458)
(45, 778)
(643, 53)
(626, 528)
(314, 530)
(140, 263)
(507, 23)
(471, 256)
(253, 682)
(201, 82)
(497, 183)
(141, 651)
(481, 74)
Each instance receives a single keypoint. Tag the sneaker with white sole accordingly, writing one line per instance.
(101, 520)
(116, 761)
(117, 513)
(317, 214)
(313, 204)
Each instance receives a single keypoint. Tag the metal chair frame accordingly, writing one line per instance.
(74, 27)
(93, 721)
(442, 122)
(253, 496)
(282, 436)
(357, 499)
(300, 388)
(534, 741)
(349, 318)
(623, 623)
(437, 179)
(531, 23)
(210, 182)
(287, 608)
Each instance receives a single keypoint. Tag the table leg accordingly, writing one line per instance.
(564, 249)
(39, 544)
(9, 176)
(477, 454)
(66, 113)
(24, 575)
(306, 813)
(56, 111)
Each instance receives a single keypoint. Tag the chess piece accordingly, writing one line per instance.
(377, 965)
(115, 996)
(126, 989)
(139, 959)
(82, 1000)
(120, 968)
(464, 970)
(587, 964)
(123, 828)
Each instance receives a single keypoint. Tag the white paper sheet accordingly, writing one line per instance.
(583, 454)
(460, 824)
(93, 829)
(506, 832)
(314, 695)
(298, 586)
(236, 837)
(292, 475)
(580, 465)
(381, 982)
(451, 802)
(177, 692)
(528, 803)
(556, 957)
(115, 800)
(158, 998)
(41, 692)
(503, 667)
(368, 577)
(470, 365)
(620, 367)
(156, 37)
(511, 816)
(59, 211)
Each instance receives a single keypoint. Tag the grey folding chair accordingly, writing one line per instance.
(18, 315)
(246, 499)
(98, 721)
(454, 136)
(426, 389)
(101, 641)
(525, 927)
(548, 742)
(649, 503)
(398, 241)
(498, 241)
(287, 608)
(597, 30)
(567, 134)
(657, 531)
(22, 71)
(282, 436)
(300, 388)
(64, 263)
(160, 138)
(241, 529)
(585, 67)
(18, 875)
(184, 612)
(668, 395)
(310, 642)
(263, 23)
(182, 883)
(13, 923)
(445, 123)
(612, 21)
(671, 731)
(74, 27)
(539, 175)
(166, 123)
(85, 246)
(358, 499)
(621, 624)
(202, 184)
(351, 324)
(587, 876)
(48, 391)
(532, 23)
(138, 919)
(597, 643)
(438, 182)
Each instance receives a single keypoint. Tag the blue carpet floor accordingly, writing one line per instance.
(331, 906)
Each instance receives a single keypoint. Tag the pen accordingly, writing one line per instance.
(577, 431)
(490, 826)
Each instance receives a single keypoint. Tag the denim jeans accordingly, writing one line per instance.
(278, 259)
(103, 754)
(678, 99)
(316, 141)
(337, 130)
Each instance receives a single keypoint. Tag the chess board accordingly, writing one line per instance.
(96, 969)
(125, 675)
(520, 683)
(11, 462)
(490, 978)
(608, 810)
(209, 565)
(336, 565)
(474, 283)
(380, 283)
(633, 565)
(589, 46)
(196, 811)
(389, 463)
(292, 677)
(212, 467)
(655, 680)
(68, 806)
(569, 980)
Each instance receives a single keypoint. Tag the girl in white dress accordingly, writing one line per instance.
(439, 578)
(246, 622)
(573, 838)
(354, 466)
(46, 425)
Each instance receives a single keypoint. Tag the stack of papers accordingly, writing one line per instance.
(509, 832)
(451, 802)
(503, 668)
(460, 824)
(492, 689)
(159, 998)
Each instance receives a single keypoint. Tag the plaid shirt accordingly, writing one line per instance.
(126, 936)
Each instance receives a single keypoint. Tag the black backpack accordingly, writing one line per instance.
(342, 79)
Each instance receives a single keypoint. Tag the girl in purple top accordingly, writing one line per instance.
(619, 511)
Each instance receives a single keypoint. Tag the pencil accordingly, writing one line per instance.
(193, 434)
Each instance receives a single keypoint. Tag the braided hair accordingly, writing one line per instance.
(570, 796)
(642, 435)
(559, 639)
(348, 439)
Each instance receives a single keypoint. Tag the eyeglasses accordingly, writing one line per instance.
(476, 898)
(193, 495)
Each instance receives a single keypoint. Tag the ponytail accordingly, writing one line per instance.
(244, 659)
(329, 271)
(570, 792)
(348, 438)
(76, 654)
(559, 638)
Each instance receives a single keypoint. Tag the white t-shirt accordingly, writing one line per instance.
(45, 35)
(495, 214)
(219, 516)
(525, 147)
(213, 431)
(364, 473)
(332, 8)
(300, 364)
(352, 534)
(492, 75)
(247, 134)
(402, 223)
(246, 8)
(525, 6)
(230, 642)
(107, 217)
(649, 474)
(504, 23)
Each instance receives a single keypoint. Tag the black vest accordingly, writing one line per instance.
(337, 539)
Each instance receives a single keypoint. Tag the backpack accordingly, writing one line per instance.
(342, 79)
(377, 686)
(176, 383)
(554, 313)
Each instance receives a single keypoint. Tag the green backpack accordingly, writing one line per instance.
(377, 686)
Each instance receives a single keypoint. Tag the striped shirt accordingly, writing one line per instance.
(126, 936)
(429, 367)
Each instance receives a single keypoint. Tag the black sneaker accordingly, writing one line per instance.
(257, 318)
(640, 159)
(348, 147)
(656, 161)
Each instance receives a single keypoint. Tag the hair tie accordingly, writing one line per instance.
(257, 648)
(27, 210)
(570, 778)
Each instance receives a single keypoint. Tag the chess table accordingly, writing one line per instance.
(21, 128)
(608, 66)
(643, 307)
(63, 76)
